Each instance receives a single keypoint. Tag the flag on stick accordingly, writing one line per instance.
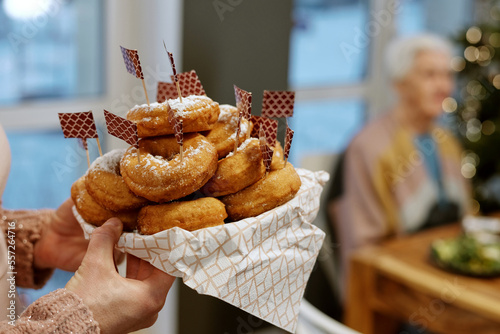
(79, 125)
(176, 79)
(176, 123)
(244, 105)
(278, 104)
(124, 129)
(166, 91)
(269, 126)
(189, 83)
(288, 142)
(133, 65)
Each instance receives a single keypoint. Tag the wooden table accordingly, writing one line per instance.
(396, 282)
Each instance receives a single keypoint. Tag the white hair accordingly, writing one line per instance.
(401, 52)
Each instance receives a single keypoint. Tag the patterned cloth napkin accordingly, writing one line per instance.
(259, 264)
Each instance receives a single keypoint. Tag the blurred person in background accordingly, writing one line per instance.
(96, 299)
(402, 172)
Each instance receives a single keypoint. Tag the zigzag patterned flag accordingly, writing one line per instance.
(122, 128)
(269, 126)
(176, 123)
(132, 62)
(267, 152)
(288, 142)
(278, 103)
(243, 101)
(189, 83)
(166, 91)
(78, 125)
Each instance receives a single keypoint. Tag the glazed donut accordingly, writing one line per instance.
(161, 176)
(223, 135)
(106, 186)
(151, 120)
(189, 215)
(275, 189)
(237, 171)
(197, 112)
(94, 213)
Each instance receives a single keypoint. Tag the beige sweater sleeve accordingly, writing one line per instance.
(59, 312)
(24, 228)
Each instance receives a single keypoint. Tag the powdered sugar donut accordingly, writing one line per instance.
(93, 213)
(223, 135)
(197, 112)
(276, 188)
(189, 215)
(105, 184)
(237, 171)
(161, 176)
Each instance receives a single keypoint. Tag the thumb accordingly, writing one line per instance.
(103, 240)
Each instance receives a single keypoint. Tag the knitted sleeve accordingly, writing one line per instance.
(22, 229)
(59, 312)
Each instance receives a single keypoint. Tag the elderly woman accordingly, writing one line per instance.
(402, 172)
(97, 299)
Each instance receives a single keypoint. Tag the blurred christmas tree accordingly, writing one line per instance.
(478, 111)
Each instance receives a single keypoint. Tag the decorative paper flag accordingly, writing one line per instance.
(122, 128)
(80, 125)
(172, 63)
(270, 127)
(278, 103)
(288, 142)
(243, 101)
(176, 79)
(132, 62)
(267, 153)
(189, 83)
(133, 65)
(166, 91)
(244, 105)
(176, 123)
(83, 143)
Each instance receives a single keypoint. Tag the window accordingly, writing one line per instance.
(50, 49)
(336, 62)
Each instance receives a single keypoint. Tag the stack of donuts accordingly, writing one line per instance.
(150, 188)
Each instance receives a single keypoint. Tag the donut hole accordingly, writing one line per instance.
(160, 149)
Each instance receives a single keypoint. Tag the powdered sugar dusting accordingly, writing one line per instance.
(108, 161)
(188, 103)
(146, 107)
(227, 113)
(242, 146)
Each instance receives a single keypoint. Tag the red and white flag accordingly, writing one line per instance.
(176, 123)
(243, 101)
(166, 91)
(122, 128)
(189, 83)
(132, 62)
(288, 142)
(265, 149)
(278, 104)
(269, 126)
(78, 125)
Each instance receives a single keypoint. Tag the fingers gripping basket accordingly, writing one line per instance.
(258, 264)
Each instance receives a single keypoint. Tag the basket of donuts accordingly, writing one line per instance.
(205, 193)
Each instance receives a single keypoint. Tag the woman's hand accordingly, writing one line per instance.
(119, 304)
(62, 244)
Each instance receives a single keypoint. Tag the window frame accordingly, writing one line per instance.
(125, 23)
(369, 89)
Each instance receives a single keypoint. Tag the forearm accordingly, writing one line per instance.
(22, 229)
(59, 312)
